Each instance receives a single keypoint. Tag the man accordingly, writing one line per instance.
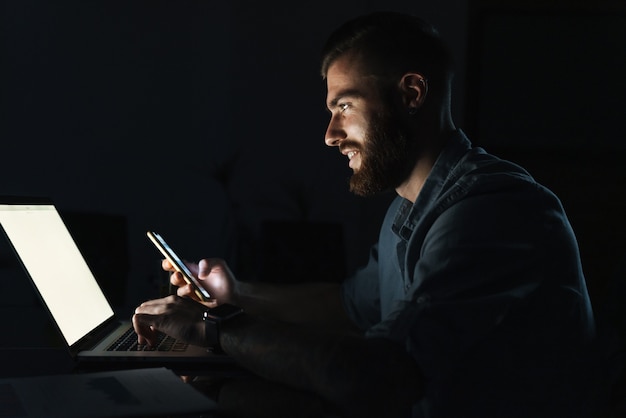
(473, 302)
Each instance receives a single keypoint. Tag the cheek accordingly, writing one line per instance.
(357, 128)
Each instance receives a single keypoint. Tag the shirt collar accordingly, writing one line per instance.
(457, 145)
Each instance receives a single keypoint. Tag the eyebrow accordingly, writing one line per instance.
(354, 93)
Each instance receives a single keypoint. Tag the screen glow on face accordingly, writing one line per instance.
(57, 268)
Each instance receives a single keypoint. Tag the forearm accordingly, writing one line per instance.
(314, 304)
(359, 376)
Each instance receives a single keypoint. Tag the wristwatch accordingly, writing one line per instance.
(213, 319)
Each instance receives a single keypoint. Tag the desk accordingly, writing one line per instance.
(238, 394)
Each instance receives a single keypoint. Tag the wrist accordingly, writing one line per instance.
(214, 319)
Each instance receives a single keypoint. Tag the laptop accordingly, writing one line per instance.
(75, 301)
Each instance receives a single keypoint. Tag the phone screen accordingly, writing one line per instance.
(178, 264)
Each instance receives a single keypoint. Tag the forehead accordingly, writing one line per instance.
(347, 73)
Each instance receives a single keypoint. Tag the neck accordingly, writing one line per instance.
(432, 138)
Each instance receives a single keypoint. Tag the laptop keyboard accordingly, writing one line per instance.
(128, 342)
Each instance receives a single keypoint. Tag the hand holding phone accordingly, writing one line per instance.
(178, 264)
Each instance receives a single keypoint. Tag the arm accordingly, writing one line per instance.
(359, 376)
(312, 304)
(315, 304)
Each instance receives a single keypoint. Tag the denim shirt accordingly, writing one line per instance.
(480, 276)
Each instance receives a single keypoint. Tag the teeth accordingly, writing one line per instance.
(351, 154)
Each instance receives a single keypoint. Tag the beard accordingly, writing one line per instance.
(387, 156)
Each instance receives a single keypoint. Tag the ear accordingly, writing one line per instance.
(414, 89)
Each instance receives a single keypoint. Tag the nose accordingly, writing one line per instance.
(334, 133)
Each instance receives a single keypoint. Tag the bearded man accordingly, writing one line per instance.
(473, 302)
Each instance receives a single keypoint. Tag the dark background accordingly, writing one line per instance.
(205, 120)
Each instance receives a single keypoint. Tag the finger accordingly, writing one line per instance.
(166, 265)
(187, 291)
(212, 265)
(145, 333)
(205, 266)
(176, 279)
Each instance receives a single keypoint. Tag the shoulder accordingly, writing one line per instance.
(485, 196)
(479, 174)
(462, 170)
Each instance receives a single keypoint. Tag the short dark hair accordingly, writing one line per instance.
(390, 45)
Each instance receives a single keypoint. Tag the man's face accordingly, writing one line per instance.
(367, 129)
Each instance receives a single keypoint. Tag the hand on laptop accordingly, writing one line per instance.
(175, 316)
(181, 316)
(213, 274)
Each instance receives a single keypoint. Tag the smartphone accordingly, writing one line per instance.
(178, 264)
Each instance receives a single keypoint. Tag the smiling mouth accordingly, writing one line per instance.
(353, 163)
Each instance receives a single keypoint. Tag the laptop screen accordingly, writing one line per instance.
(57, 267)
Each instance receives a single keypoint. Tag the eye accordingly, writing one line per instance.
(343, 106)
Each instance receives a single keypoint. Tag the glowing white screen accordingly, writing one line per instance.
(55, 264)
